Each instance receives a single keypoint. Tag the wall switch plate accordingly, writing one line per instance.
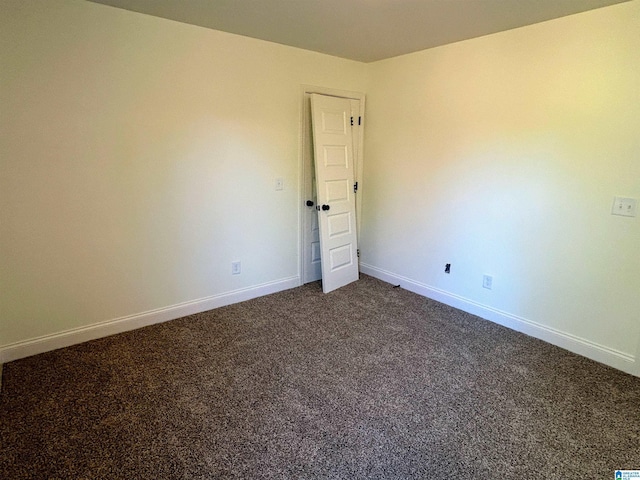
(487, 282)
(236, 268)
(279, 183)
(627, 207)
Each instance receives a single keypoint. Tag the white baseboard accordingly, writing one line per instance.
(581, 346)
(74, 336)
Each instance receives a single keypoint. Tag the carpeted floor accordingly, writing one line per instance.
(369, 381)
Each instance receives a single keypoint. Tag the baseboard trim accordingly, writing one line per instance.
(74, 336)
(586, 348)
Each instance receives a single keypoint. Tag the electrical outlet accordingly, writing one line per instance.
(487, 282)
(447, 268)
(236, 268)
(626, 207)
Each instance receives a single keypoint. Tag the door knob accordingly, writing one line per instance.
(325, 207)
(309, 203)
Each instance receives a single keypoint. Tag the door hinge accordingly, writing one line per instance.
(352, 121)
(358, 252)
(355, 187)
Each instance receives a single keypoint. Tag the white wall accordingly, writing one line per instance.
(138, 160)
(502, 155)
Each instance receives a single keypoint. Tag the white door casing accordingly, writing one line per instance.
(335, 173)
(310, 268)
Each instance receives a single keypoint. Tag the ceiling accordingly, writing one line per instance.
(363, 30)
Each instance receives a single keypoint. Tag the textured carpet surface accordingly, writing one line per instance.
(369, 381)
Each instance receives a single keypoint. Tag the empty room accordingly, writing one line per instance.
(176, 179)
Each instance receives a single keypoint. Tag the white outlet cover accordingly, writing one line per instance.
(625, 206)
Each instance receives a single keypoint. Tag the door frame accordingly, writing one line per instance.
(304, 169)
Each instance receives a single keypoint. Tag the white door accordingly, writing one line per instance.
(335, 172)
(311, 268)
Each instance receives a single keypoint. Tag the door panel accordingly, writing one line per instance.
(340, 257)
(339, 224)
(315, 251)
(337, 190)
(333, 148)
(335, 156)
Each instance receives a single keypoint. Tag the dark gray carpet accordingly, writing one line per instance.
(369, 381)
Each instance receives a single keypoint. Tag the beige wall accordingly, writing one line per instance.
(139, 159)
(501, 155)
